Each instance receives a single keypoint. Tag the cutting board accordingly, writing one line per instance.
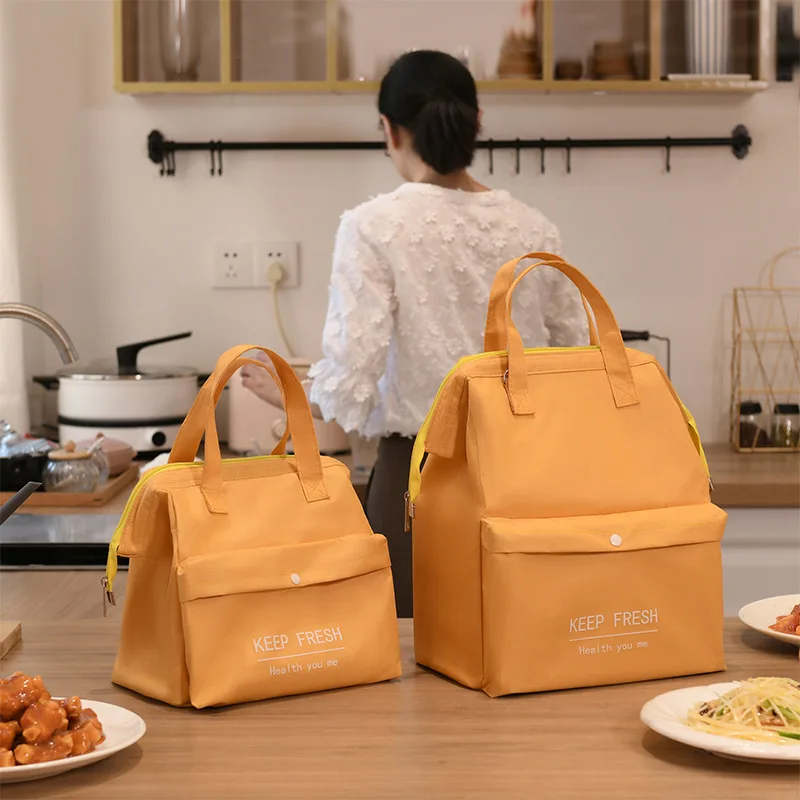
(10, 635)
(63, 499)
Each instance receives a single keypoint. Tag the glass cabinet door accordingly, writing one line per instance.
(278, 41)
(601, 40)
(373, 33)
(712, 38)
(169, 41)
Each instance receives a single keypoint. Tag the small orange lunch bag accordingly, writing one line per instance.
(251, 577)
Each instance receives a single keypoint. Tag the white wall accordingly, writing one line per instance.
(117, 253)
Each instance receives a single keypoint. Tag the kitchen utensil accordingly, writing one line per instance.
(612, 61)
(786, 425)
(119, 454)
(70, 470)
(21, 459)
(752, 432)
(763, 613)
(181, 33)
(569, 70)
(10, 506)
(17, 471)
(708, 33)
(121, 727)
(666, 714)
(646, 336)
(732, 78)
(142, 406)
(251, 420)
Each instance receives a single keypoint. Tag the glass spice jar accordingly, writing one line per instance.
(786, 425)
(751, 429)
(103, 467)
(70, 470)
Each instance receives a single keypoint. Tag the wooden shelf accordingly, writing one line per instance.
(511, 86)
(657, 22)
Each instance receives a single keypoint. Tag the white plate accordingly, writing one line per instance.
(121, 727)
(761, 614)
(666, 714)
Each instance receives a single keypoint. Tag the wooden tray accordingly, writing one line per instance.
(65, 500)
(10, 634)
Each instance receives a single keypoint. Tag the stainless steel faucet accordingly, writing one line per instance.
(46, 323)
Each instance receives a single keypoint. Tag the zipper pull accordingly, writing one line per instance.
(108, 597)
(409, 513)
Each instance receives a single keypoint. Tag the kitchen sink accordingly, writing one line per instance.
(52, 541)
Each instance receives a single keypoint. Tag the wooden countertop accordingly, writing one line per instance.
(754, 480)
(741, 480)
(420, 737)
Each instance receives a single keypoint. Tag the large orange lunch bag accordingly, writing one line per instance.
(563, 534)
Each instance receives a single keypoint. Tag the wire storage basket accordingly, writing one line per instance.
(765, 367)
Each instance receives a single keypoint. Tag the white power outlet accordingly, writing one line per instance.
(286, 255)
(233, 266)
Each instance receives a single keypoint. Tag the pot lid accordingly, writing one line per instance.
(112, 372)
(69, 453)
(127, 368)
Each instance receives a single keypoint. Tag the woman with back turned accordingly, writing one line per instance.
(410, 284)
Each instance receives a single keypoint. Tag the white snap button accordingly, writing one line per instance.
(616, 540)
(295, 579)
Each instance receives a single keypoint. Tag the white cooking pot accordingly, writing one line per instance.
(256, 425)
(143, 406)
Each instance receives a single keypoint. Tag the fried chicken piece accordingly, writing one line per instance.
(72, 705)
(6, 758)
(60, 746)
(18, 692)
(87, 734)
(41, 720)
(8, 732)
(789, 623)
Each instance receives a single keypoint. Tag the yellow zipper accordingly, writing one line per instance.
(415, 477)
(111, 563)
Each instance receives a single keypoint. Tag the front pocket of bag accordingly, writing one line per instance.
(286, 620)
(588, 601)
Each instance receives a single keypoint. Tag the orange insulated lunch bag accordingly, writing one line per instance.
(251, 577)
(563, 531)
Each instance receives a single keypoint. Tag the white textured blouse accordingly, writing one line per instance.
(409, 290)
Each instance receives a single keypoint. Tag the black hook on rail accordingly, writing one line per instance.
(162, 151)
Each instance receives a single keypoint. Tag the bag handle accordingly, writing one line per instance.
(494, 338)
(301, 425)
(610, 343)
(187, 442)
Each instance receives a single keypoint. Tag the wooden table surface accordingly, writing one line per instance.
(420, 737)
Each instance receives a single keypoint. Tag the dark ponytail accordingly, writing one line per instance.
(434, 97)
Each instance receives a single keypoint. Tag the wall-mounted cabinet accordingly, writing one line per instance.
(229, 46)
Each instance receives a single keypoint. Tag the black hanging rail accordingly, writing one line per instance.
(162, 151)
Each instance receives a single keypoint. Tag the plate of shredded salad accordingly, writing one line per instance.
(752, 720)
